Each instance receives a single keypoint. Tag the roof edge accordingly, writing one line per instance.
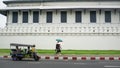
(31, 1)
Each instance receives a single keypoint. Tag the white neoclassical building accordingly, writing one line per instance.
(81, 24)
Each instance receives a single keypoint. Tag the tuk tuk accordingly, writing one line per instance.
(20, 51)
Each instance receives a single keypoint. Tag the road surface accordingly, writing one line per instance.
(8, 63)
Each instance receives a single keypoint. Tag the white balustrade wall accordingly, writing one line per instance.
(63, 28)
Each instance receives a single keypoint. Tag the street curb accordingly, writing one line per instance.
(71, 58)
(5, 57)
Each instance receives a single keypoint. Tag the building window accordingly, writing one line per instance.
(107, 16)
(78, 16)
(93, 16)
(25, 17)
(49, 17)
(35, 16)
(15, 17)
(63, 16)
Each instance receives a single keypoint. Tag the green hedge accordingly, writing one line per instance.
(70, 51)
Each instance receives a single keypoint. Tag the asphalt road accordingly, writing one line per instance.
(7, 63)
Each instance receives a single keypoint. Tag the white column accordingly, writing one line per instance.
(114, 19)
(55, 17)
(30, 16)
(43, 16)
(19, 17)
(73, 16)
(82, 16)
(70, 17)
(98, 16)
(59, 16)
(40, 16)
(22, 17)
(9, 17)
(102, 17)
(85, 16)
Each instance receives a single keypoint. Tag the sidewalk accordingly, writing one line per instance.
(74, 57)
(87, 55)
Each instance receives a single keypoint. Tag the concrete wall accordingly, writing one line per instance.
(69, 42)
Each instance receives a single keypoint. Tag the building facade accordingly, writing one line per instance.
(81, 24)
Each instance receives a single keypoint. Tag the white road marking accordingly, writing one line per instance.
(110, 66)
(80, 63)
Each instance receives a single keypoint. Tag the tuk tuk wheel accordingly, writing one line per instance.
(14, 58)
(20, 58)
(36, 58)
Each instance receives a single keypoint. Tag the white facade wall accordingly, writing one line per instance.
(84, 35)
(115, 16)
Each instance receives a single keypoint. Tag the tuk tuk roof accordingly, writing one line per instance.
(22, 45)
